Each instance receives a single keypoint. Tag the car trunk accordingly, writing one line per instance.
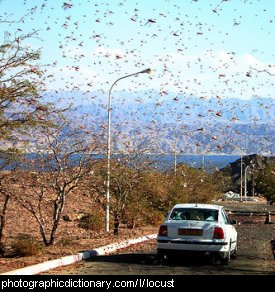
(199, 230)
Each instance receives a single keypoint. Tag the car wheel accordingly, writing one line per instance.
(235, 252)
(227, 259)
(161, 256)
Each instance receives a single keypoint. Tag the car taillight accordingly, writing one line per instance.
(163, 230)
(218, 233)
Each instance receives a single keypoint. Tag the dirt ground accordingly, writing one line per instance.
(70, 238)
(253, 228)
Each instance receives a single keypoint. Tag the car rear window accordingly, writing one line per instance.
(196, 214)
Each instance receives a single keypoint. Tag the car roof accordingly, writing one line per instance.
(201, 206)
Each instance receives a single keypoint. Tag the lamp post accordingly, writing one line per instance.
(107, 210)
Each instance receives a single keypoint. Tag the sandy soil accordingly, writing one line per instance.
(70, 239)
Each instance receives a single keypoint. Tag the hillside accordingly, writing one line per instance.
(254, 164)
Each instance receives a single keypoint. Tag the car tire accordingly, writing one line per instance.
(235, 252)
(162, 257)
(227, 259)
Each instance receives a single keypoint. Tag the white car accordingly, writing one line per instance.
(198, 228)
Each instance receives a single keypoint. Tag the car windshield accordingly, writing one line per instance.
(196, 214)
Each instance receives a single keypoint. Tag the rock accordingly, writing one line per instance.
(72, 217)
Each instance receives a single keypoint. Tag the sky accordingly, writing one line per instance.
(202, 48)
(209, 50)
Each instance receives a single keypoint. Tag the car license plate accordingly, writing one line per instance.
(194, 232)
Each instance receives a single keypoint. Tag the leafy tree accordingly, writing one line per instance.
(127, 172)
(192, 185)
(223, 180)
(151, 199)
(265, 182)
(20, 104)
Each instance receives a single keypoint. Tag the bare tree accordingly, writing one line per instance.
(7, 165)
(5, 196)
(63, 157)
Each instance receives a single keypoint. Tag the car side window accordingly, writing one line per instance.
(225, 218)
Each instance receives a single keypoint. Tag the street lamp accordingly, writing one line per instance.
(107, 210)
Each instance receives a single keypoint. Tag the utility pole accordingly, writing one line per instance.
(241, 178)
(245, 182)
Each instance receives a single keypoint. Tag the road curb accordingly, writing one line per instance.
(68, 260)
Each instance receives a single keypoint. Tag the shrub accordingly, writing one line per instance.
(26, 245)
(93, 221)
(68, 241)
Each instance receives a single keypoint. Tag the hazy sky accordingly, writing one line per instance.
(194, 47)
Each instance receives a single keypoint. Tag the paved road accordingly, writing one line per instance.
(254, 257)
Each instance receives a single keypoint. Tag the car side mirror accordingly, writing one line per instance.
(233, 222)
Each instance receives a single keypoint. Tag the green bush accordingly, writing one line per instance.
(94, 221)
(265, 182)
(26, 245)
(68, 241)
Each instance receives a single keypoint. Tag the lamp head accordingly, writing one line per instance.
(148, 71)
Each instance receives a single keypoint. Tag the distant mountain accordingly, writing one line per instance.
(231, 126)
(170, 107)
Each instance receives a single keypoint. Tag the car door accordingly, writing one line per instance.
(231, 234)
